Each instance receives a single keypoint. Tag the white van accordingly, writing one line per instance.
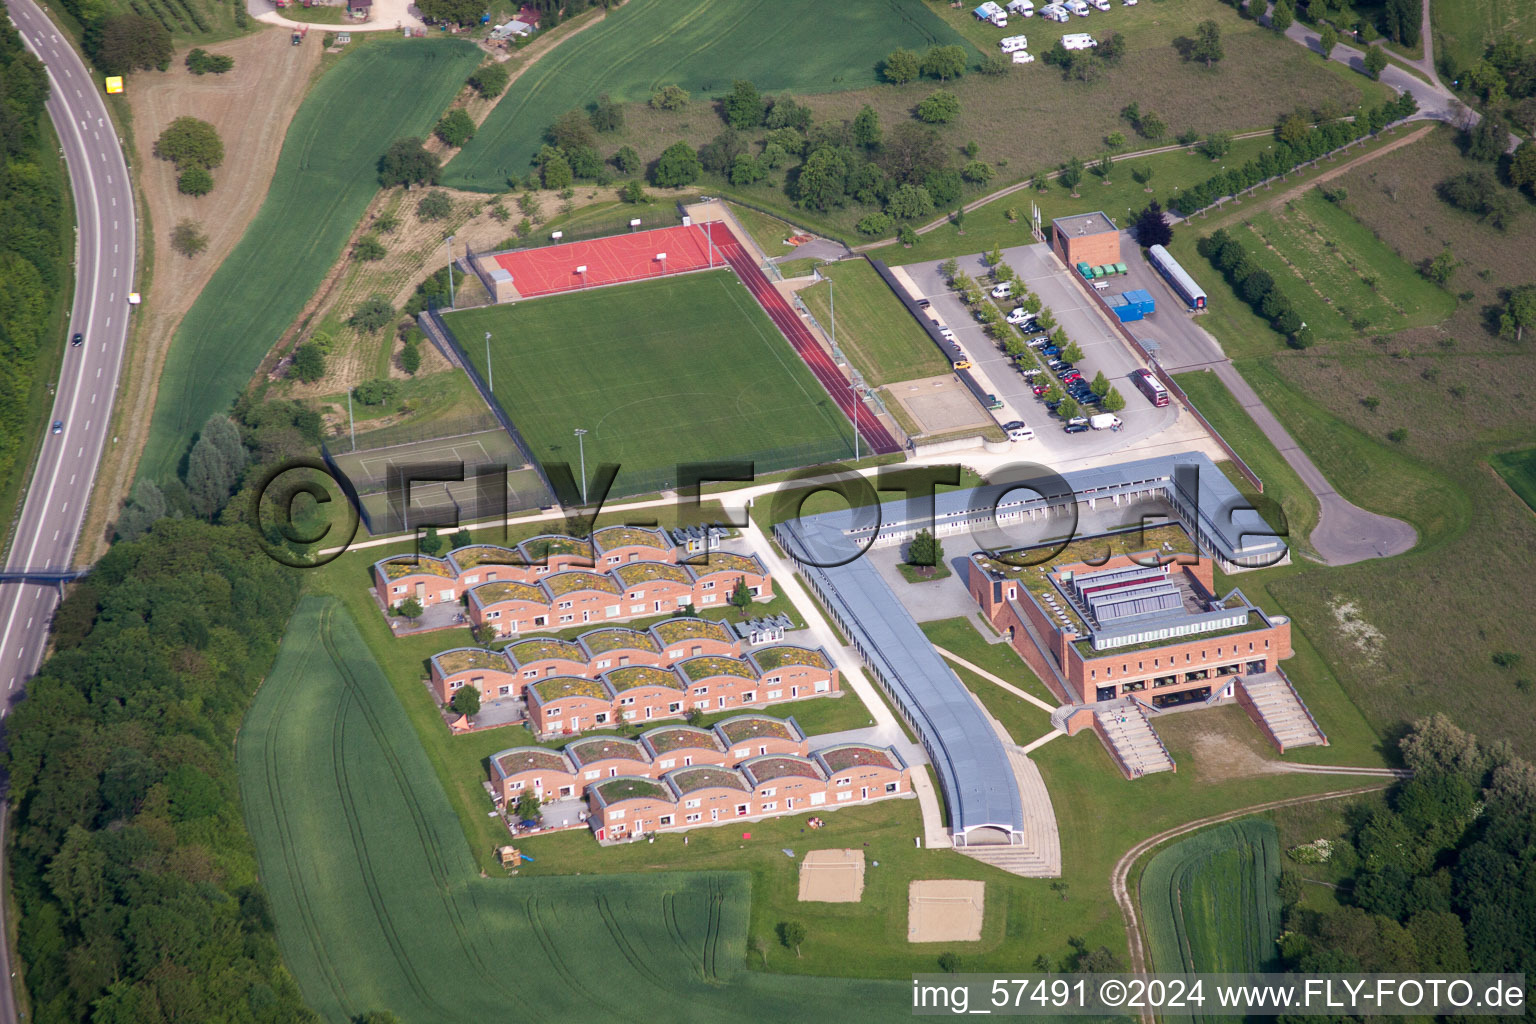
(1054, 12)
(1102, 5)
(1003, 290)
(1023, 57)
(1023, 8)
(1078, 7)
(1078, 40)
(1013, 44)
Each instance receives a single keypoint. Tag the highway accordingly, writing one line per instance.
(55, 505)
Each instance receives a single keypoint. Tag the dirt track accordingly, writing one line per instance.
(251, 107)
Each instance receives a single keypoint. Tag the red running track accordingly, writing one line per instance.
(784, 317)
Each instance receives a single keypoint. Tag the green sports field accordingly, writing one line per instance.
(1211, 902)
(324, 179)
(384, 909)
(873, 327)
(681, 369)
(799, 46)
(1519, 471)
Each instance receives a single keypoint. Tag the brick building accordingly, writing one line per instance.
(1090, 238)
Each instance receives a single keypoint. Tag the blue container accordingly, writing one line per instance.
(1142, 298)
(1128, 312)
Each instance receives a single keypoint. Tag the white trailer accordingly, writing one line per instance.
(1078, 7)
(1105, 421)
(1023, 57)
(1054, 12)
(1078, 40)
(1023, 8)
(1102, 5)
(1013, 44)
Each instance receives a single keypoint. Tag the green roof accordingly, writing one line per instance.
(521, 759)
(600, 748)
(723, 560)
(746, 727)
(770, 658)
(411, 565)
(541, 547)
(568, 686)
(642, 675)
(610, 537)
(699, 777)
(674, 630)
(842, 758)
(715, 665)
(572, 580)
(676, 737)
(629, 787)
(635, 573)
(463, 659)
(503, 590)
(601, 641)
(485, 554)
(525, 651)
(771, 767)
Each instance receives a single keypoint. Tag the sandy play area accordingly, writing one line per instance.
(832, 876)
(944, 910)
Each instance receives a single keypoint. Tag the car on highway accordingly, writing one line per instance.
(58, 426)
(77, 340)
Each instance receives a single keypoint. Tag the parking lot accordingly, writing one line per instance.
(1102, 350)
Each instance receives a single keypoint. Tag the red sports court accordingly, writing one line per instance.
(610, 260)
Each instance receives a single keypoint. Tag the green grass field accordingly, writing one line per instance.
(801, 46)
(1341, 278)
(324, 180)
(682, 369)
(872, 326)
(1210, 902)
(1519, 471)
(378, 904)
(1463, 30)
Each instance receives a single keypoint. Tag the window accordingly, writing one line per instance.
(741, 810)
(691, 803)
(771, 679)
(616, 814)
(687, 760)
(504, 691)
(824, 686)
(594, 773)
(675, 707)
(664, 820)
(552, 713)
(566, 618)
(626, 700)
(845, 796)
(530, 673)
(755, 591)
(691, 818)
(709, 598)
(605, 663)
(770, 806)
(564, 604)
(762, 750)
(515, 785)
(669, 763)
(696, 650)
(723, 701)
(634, 609)
(702, 586)
(541, 620)
(600, 717)
(748, 697)
(493, 615)
(456, 684)
(699, 691)
(767, 792)
(613, 559)
(398, 590)
(775, 694)
(893, 787)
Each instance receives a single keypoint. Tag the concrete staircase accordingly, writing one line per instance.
(1039, 855)
(1271, 696)
(1132, 739)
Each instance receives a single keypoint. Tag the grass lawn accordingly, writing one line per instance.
(768, 232)
(1210, 901)
(1380, 644)
(799, 46)
(324, 180)
(873, 328)
(961, 637)
(1342, 279)
(1463, 30)
(922, 574)
(1519, 471)
(422, 402)
(1281, 484)
(660, 373)
(372, 885)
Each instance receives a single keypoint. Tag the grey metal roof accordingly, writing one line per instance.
(966, 753)
(1203, 495)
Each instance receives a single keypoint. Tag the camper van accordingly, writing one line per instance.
(991, 12)
(1078, 40)
(1023, 8)
(1102, 5)
(1078, 7)
(1054, 12)
(1013, 44)
(1023, 57)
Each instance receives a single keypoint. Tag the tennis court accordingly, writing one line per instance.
(477, 457)
(611, 260)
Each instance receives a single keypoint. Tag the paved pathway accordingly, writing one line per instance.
(989, 677)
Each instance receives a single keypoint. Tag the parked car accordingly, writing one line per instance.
(1020, 316)
(1003, 290)
(1040, 342)
(77, 340)
(962, 364)
(946, 334)
(1021, 433)
(1078, 419)
(993, 403)
(1052, 350)
(923, 303)
(1091, 399)
(1039, 389)
(1076, 428)
(1014, 425)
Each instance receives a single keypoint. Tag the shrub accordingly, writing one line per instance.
(190, 142)
(490, 80)
(876, 224)
(455, 127)
(435, 205)
(308, 363)
(372, 314)
(194, 181)
(939, 108)
(188, 239)
(678, 166)
(368, 249)
(407, 162)
(201, 62)
(379, 391)
(669, 97)
(902, 66)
